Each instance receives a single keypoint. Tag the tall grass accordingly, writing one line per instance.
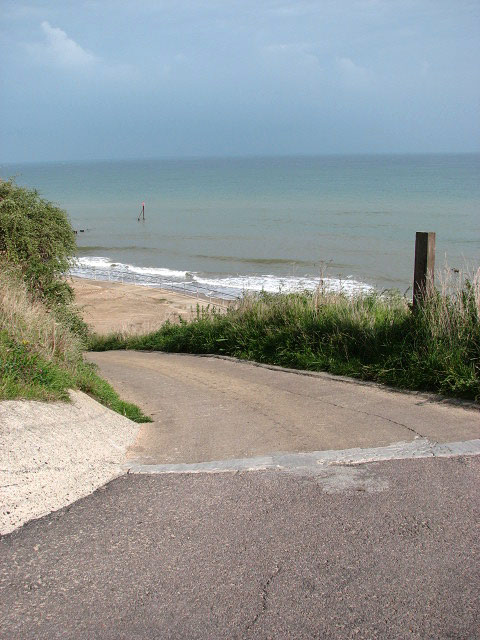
(41, 357)
(368, 336)
(32, 323)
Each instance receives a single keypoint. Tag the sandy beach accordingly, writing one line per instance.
(113, 306)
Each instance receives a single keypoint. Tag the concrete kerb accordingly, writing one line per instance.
(317, 461)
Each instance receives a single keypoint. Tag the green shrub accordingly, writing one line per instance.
(42, 335)
(36, 236)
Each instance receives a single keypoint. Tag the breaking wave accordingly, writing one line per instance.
(226, 287)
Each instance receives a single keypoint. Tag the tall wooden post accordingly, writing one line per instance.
(424, 272)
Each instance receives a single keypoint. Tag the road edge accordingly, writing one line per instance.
(314, 461)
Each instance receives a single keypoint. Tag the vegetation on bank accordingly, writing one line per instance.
(42, 336)
(370, 336)
(37, 238)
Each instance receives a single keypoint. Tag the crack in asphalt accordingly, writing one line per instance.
(400, 424)
(265, 594)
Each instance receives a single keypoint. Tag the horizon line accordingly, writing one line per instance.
(239, 157)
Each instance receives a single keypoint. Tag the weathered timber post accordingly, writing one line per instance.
(424, 272)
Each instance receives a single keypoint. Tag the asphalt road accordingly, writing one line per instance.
(380, 550)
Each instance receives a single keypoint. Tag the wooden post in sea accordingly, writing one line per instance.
(424, 271)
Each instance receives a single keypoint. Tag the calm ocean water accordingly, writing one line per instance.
(273, 223)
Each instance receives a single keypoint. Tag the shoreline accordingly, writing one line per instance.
(220, 286)
(135, 309)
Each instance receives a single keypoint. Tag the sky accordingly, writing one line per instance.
(120, 79)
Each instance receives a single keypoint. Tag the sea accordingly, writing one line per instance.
(225, 226)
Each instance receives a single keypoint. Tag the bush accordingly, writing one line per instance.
(42, 335)
(36, 236)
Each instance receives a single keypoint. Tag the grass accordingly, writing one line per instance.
(41, 357)
(370, 336)
(27, 375)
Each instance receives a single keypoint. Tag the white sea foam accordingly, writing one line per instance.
(99, 262)
(287, 284)
(153, 271)
(101, 268)
(95, 262)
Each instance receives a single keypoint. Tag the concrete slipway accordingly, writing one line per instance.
(213, 414)
(342, 510)
(212, 409)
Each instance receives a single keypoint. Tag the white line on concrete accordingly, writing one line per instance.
(419, 448)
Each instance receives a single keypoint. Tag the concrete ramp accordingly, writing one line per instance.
(210, 409)
(52, 454)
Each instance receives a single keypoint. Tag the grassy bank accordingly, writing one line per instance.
(40, 356)
(42, 336)
(371, 337)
